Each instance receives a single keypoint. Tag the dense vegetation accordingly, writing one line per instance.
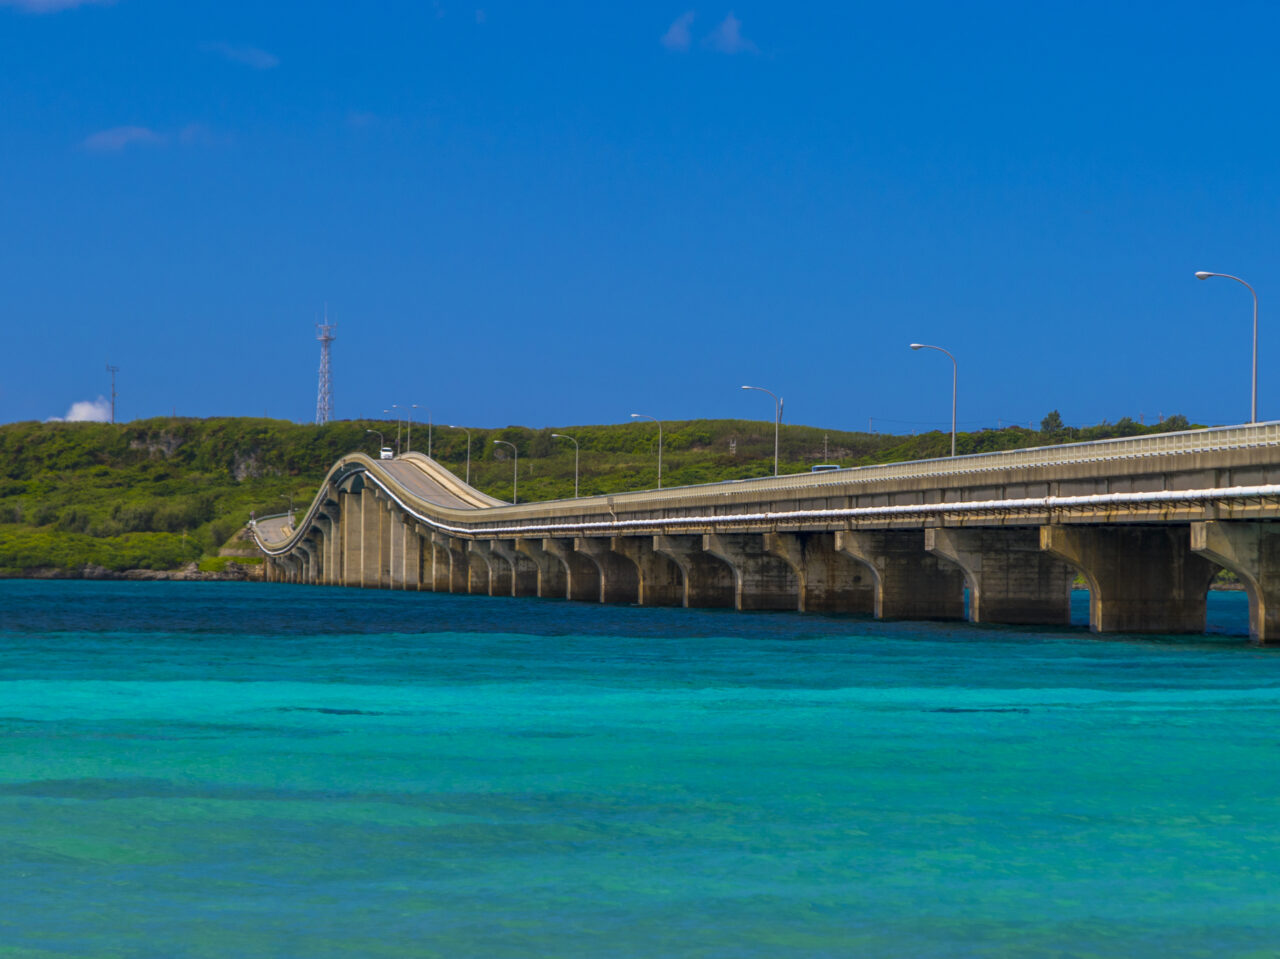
(155, 494)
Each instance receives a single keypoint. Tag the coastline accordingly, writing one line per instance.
(234, 572)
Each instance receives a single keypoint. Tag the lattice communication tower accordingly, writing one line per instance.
(324, 397)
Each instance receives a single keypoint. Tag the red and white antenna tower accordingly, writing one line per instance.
(324, 398)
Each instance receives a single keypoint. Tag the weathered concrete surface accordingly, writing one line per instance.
(829, 580)
(1011, 580)
(708, 580)
(1252, 552)
(524, 571)
(761, 580)
(910, 582)
(1142, 579)
(582, 576)
(619, 577)
(660, 582)
(553, 577)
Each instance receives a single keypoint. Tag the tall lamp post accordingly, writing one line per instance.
(388, 412)
(777, 421)
(955, 375)
(381, 441)
(419, 407)
(468, 432)
(515, 469)
(562, 436)
(1253, 406)
(469, 451)
(642, 416)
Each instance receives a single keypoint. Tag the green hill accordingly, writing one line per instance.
(155, 494)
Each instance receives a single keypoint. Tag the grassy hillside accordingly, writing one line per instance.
(154, 494)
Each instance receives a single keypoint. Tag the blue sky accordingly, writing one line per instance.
(557, 214)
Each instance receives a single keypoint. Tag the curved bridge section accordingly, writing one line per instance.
(998, 537)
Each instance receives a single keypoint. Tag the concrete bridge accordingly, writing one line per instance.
(1148, 521)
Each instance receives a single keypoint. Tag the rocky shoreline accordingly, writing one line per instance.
(191, 572)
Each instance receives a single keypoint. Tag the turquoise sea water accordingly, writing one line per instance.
(274, 771)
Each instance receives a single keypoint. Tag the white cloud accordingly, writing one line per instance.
(728, 38)
(249, 56)
(117, 138)
(49, 6)
(677, 36)
(86, 411)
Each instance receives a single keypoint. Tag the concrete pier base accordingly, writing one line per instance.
(910, 582)
(553, 577)
(1252, 552)
(524, 571)
(619, 577)
(661, 583)
(761, 580)
(1010, 579)
(499, 576)
(581, 574)
(1142, 579)
(708, 580)
(829, 580)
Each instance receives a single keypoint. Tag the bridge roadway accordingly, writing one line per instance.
(1148, 521)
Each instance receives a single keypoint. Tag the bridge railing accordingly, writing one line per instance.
(1215, 439)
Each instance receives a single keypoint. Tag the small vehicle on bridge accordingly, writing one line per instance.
(386, 453)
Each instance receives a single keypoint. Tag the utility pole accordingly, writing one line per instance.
(113, 370)
(324, 396)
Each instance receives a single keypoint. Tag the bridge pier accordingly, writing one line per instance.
(619, 577)
(708, 580)
(349, 513)
(332, 547)
(1142, 579)
(829, 580)
(1011, 580)
(582, 575)
(498, 576)
(760, 579)
(477, 572)
(1252, 552)
(452, 564)
(910, 583)
(659, 579)
(553, 577)
(524, 571)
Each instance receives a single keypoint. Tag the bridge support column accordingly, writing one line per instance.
(352, 526)
(1252, 552)
(660, 581)
(708, 580)
(370, 539)
(524, 571)
(553, 575)
(411, 553)
(454, 565)
(477, 572)
(1011, 580)
(760, 579)
(828, 579)
(332, 571)
(619, 578)
(497, 572)
(396, 529)
(1142, 579)
(909, 582)
(581, 573)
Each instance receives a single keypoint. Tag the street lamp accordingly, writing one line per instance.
(515, 469)
(381, 441)
(562, 436)
(642, 416)
(417, 407)
(395, 407)
(777, 420)
(955, 373)
(1253, 406)
(289, 497)
(468, 432)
